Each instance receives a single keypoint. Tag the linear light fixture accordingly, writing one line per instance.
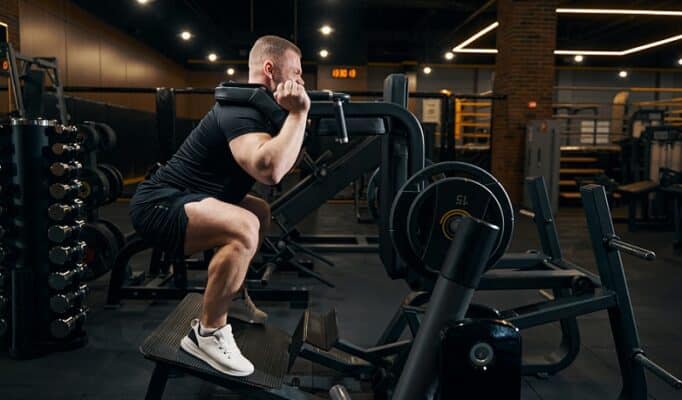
(476, 36)
(619, 53)
(667, 13)
(460, 48)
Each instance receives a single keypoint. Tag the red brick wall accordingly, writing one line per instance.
(526, 39)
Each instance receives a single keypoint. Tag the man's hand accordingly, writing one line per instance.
(292, 97)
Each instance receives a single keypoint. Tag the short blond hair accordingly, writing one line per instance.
(270, 47)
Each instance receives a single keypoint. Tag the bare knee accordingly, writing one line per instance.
(247, 235)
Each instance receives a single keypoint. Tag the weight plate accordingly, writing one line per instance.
(114, 187)
(409, 191)
(115, 230)
(373, 194)
(117, 185)
(434, 215)
(108, 137)
(373, 191)
(102, 247)
(90, 135)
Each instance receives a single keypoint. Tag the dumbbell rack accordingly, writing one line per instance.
(43, 251)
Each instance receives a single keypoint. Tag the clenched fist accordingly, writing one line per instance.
(292, 97)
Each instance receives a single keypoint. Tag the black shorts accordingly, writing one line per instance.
(158, 214)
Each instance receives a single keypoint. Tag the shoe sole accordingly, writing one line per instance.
(188, 345)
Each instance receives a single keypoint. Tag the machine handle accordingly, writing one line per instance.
(659, 371)
(629, 248)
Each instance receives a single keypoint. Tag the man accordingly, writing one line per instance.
(199, 200)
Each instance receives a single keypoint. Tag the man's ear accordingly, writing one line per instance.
(268, 67)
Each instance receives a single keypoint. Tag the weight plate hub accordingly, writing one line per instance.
(402, 203)
(435, 213)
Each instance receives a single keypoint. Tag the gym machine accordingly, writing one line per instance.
(401, 151)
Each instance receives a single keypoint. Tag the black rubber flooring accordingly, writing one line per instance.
(111, 366)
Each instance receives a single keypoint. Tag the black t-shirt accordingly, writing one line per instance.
(204, 162)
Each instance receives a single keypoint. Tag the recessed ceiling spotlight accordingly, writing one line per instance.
(449, 55)
(143, 1)
(326, 30)
(623, 74)
(186, 35)
(427, 70)
(212, 57)
(324, 53)
(230, 71)
(679, 62)
(578, 58)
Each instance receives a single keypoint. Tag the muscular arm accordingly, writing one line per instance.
(267, 159)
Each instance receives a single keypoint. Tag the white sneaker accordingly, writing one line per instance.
(219, 350)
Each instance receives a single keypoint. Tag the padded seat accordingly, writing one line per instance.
(356, 126)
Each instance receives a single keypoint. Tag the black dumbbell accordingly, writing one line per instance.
(61, 212)
(3, 327)
(63, 327)
(3, 280)
(61, 255)
(66, 170)
(60, 233)
(66, 133)
(4, 305)
(63, 302)
(66, 149)
(60, 191)
(4, 254)
(62, 279)
(3, 231)
(3, 211)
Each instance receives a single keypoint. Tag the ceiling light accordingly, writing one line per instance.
(143, 1)
(427, 70)
(449, 55)
(618, 12)
(623, 74)
(186, 35)
(324, 53)
(230, 71)
(476, 36)
(212, 57)
(679, 62)
(578, 58)
(326, 30)
(621, 52)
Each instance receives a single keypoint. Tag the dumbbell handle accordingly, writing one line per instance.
(61, 169)
(61, 190)
(64, 149)
(60, 212)
(60, 233)
(62, 279)
(63, 302)
(63, 327)
(61, 255)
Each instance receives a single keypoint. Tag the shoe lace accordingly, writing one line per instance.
(226, 344)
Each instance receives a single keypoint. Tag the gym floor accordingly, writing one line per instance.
(111, 367)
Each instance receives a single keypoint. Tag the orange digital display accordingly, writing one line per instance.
(344, 73)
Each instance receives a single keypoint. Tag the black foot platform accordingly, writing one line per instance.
(266, 347)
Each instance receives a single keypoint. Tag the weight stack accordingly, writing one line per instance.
(47, 312)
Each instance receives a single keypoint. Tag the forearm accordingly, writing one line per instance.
(280, 152)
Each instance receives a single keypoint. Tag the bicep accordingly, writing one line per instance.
(245, 148)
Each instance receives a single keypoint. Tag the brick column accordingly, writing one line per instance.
(524, 72)
(9, 14)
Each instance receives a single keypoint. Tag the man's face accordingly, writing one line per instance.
(289, 68)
